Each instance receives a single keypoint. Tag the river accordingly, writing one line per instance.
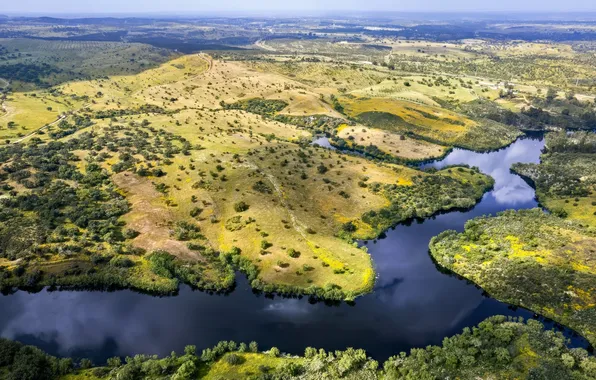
(413, 303)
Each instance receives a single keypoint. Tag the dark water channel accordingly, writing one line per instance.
(413, 304)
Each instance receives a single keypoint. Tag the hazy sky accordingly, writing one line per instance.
(278, 6)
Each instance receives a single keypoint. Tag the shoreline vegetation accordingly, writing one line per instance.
(565, 178)
(499, 347)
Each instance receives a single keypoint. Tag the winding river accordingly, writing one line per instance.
(413, 303)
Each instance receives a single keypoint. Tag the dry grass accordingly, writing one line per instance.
(151, 217)
(397, 145)
(582, 209)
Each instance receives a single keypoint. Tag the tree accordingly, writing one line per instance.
(322, 169)
(241, 206)
(551, 94)
(349, 227)
(233, 359)
(114, 362)
(186, 371)
(253, 347)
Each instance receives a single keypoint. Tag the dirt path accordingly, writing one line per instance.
(62, 117)
(262, 45)
(299, 227)
(209, 61)
(3, 105)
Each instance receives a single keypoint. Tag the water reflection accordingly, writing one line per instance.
(413, 304)
(510, 190)
(323, 141)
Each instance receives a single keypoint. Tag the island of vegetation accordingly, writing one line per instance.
(498, 348)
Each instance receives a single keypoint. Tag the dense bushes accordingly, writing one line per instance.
(428, 195)
(30, 363)
(538, 117)
(29, 73)
(240, 206)
(267, 107)
(567, 169)
(498, 348)
(316, 124)
(262, 187)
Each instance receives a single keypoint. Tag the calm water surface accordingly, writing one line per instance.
(413, 304)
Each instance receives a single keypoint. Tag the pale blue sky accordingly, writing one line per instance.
(276, 6)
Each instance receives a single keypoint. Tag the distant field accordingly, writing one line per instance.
(431, 123)
(324, 75)
(328, 47)
(79, 59)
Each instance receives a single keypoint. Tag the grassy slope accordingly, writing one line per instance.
(531, 259)
(430, 123)
(391, 143)
(305, 207)
(251, 366)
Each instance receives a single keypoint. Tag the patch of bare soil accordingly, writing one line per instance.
(153, 220)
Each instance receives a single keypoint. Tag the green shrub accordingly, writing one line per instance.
(240, 206)
(293, 253)
(121, 262)
(234, 359)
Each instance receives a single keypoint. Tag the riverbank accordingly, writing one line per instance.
(498, 347)
(412, 304)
